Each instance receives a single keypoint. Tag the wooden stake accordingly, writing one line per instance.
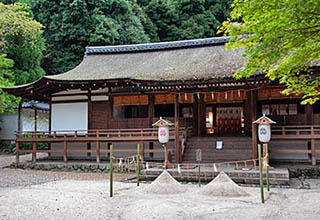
(34, 149)
(261, 173)
(111, 172)
(17, 153)
(138, 164)
(267, 169)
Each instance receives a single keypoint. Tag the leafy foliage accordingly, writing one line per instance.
(281, 38)
(71, 25)
(20, 39)
(6, 101)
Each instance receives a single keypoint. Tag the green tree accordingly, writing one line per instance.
(6, 75)
(71, 25)
(281, 38)
(21, 40)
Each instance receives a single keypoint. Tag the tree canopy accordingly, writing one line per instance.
(21, 40)
(21, 48)
(71, 25)
(281, 38)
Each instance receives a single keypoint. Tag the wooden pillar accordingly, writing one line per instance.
(309, 114)
(89, 121)
(19, 117)
(50, 122)
(313, 149)
(195, 115)
(34, 152)
(151, 108)
(201, 115)
(151, 148)
(176, 123)
(250, 115)
(142, 150)
(65, 159)
(98, 148)
(35, 118)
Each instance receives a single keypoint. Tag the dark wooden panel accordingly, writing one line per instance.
(99, 115)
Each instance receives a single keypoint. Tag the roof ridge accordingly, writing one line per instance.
(155, 46)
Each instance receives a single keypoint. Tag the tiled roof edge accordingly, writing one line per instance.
(155, 46)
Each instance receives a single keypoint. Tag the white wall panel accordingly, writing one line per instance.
(69, 116)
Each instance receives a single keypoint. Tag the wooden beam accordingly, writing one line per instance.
(176, 123)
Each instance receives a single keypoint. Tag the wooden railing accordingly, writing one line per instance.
(184, 138)
(91, 136)
(302, 132)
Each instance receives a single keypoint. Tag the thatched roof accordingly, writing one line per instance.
(156, 63)
(172, 61)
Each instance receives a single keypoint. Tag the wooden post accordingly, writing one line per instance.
(50, 120)
(34, 150)
(176, 124)
(267, 168)
(17, 153)
(201, 115)
(142, 150)
(89, 120)
(111, 171)
(313, 148)
(98, 148)
(254, 141)
(151, 108)
(35, 118)
(19, 117)
(250, 115)
(151, 148)
(65, 159)
(166, 159)
(309, 114)
(138, 165)
(260, 173)
(195, 115)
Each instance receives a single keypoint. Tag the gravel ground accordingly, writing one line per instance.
(18, 177)
(7, 159)
(89, 199)
(28, 194)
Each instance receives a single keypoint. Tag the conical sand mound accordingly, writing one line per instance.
(164, 184)
(223, 185)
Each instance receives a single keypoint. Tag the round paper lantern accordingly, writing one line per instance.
(264, 132)
(163, 135)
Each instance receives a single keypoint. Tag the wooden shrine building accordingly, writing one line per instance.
(115, 94)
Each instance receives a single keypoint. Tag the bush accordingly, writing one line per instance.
(28, 146)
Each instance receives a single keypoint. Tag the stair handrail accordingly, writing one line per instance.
(185, 136)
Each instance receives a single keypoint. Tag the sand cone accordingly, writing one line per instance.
(223, 185)
(164, 184)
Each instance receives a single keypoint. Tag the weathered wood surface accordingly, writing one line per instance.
(308, 133)
(93, 136)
